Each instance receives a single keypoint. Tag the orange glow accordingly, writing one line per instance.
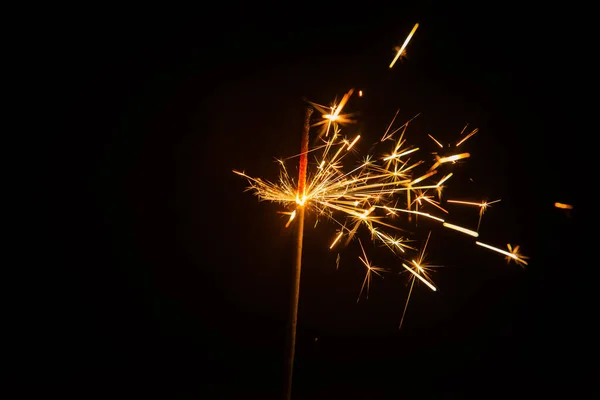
(563, 206)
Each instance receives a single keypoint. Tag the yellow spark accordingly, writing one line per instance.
(512, 254)
(370, 269)
(332, 116)
(461, 229)
(420, 273)
(423, 196)
(453, 158)
(385, 135)
(338, 237)
(360, 93)
(563, 206)
(395, 155)
(435, 140)
(419, 277)
(416, 213)
(401, 51)
(470, 203)
(292, 216)
(422, 178)
(444, 179)
(466, 137)
(390, 211)
(353, 142)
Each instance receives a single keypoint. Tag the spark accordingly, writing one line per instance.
(482, 207)
(436, 141)
(444, 179)
(461, 229)
(452, 159)
(401, 50)
(563, 206)
(419, 271)
(422, 196)
(292, 216)
(353, 142)
(511, 254)
(337, 238)
(467, 137)
(332, 116)
(416, 275)
(370, 269)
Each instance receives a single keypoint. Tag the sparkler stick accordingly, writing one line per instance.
(295, 295)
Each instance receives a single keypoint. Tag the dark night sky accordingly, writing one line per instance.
(173, 283)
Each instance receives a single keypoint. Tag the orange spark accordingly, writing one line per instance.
(466, 137)
(563, 206)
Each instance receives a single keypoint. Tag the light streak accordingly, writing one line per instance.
(482, 207)
(563, 206)
(401, 50)
(511, 254)
(416, 275)
(461, 229)
(466, 137)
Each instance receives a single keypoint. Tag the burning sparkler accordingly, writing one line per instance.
(369, 195)
(563, 206)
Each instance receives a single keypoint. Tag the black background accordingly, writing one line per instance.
(173, 283)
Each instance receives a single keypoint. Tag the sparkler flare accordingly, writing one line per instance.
(368, 194)
(375, 192)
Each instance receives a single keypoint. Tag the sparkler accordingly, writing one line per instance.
(369, 195)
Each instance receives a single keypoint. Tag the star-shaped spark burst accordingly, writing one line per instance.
(482, 207)
(371, 269)
(332, 117)
(454, 157)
